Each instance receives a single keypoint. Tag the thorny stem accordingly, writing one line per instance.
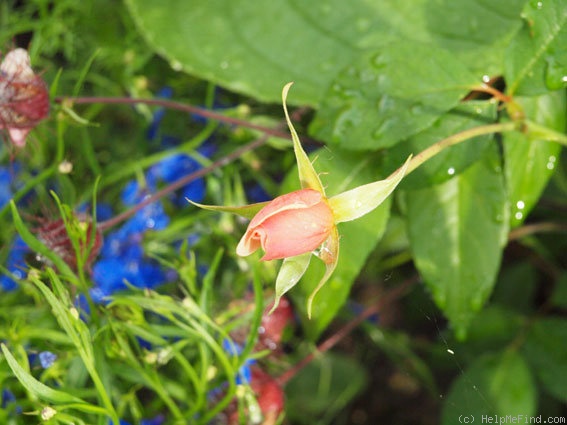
(329, 343)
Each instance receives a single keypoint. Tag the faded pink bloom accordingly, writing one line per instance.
(290, 225)
(24, 100)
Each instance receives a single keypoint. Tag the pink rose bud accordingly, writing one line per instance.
(24, 100)
(290, 225)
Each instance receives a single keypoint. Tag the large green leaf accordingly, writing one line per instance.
(536, 60)
(255, 47)
(457, 230)
(390, 94)
(547, 353)
(476, 31)
(494, 385)
(530, 163)
(340, 171)
(449, 162)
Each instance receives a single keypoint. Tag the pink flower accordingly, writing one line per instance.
(302, 224)
(290, 225)
(24, 100)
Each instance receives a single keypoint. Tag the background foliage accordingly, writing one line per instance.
(482, 223)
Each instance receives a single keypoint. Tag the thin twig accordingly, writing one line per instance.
(333, 340)
(183, 181)
(530, 229)
(171, 104)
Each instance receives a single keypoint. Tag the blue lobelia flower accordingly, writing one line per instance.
(244, 373)
(47, 358)
(15, 264)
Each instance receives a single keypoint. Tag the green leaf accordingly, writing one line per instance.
(497, 384)
(323, 388)
(249, 47)
(530, 163)
(457, 230)
(547, 353)
(340, 171)
(451, 161)
(476, 31)
(536, 60)
(290, 272)
(391, 94)
(559, 296)
(35, 387)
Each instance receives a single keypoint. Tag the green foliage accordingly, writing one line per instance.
(385, 80)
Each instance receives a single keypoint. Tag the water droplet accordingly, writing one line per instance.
(451, 171)
(176, 65)
(378, 62)
(555, 77)
(450, 351)
(520, 205)
(498, 218)
(551, 162)
(224, 64)
(416, 108)
(381, 130)
(518, 216)
(486, 78)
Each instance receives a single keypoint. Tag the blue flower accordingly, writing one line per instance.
(174, 167)
(244, 373)
(47, 358)
(153, 129)
(15, 264)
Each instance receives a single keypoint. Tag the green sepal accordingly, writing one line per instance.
(329, 254)
(359, 201)
(308, 177)
(291, 271)
(247, 211)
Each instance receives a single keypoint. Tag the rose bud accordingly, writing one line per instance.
(291, 224)
(301, 224)
(24, 100)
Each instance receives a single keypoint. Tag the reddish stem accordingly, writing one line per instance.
(171, 104)
(182, 182)
(333, 340)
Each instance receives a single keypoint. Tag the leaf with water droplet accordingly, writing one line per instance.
(399, 91)
(527, 161)
(451, 161)
(536, 59)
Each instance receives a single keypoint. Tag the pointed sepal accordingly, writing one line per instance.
(308, 177)
(246, 211)
(359, 201)
(292, 269)
(329, 254)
